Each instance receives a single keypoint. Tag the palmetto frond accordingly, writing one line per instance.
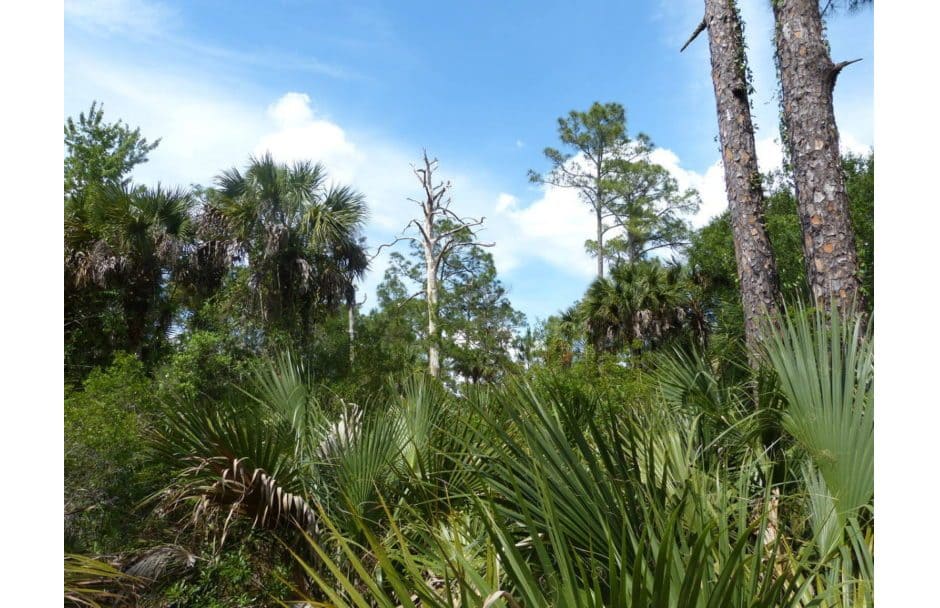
(305, 180)
(275, 456)
(232, 459)
(161, 563)
(230, 183)
(566, 518)
(93, 583)
(242, 489)
(334, 216)
(825, 364)
(826, 368)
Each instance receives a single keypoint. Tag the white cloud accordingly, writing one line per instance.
(302, 136)
(553, 229)
(711, 183)
(849, 144)
(203, 126)
(520, 143)
(505, 202)
(291, 110)
(712, 191)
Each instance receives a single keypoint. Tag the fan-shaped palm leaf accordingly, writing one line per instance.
(825, 364)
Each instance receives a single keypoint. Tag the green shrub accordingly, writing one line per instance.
(247, 575)
(106, 473)
(207, 364)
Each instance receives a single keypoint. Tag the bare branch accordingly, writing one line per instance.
(420, 228)
(454, 244)
(446, 211)
(662, 245)
(698, 30)
(838, 67)
(410, 298)
(464, 225)
(392, 244)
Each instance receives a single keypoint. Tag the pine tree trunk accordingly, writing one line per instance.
(600, 244)
(757, 269)
(634, 248)
(599, 212)
(807, 76)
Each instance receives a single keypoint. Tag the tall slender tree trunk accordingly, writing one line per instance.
(136, 309)
(351, 322)
(807, 77)
(434, 362)
(431, 264)
(600, 242)
(599, 212)
(634, 248)
(757, 269)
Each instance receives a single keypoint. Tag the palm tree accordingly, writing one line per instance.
(123, 243)
(299, 237)
(640, 304)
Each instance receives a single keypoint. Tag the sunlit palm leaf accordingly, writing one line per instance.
(826, 368)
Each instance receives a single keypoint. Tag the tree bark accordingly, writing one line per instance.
(351, 322)
(807, 77)
(757, 269)
(599, 212)
(600, 243)
(434, 357)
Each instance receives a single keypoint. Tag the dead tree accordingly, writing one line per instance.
(437, 245)
(351, 306)
(757, 268)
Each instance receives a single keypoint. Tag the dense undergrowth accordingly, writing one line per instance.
(689, 482)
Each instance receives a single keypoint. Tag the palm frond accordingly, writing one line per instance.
(825, 364)
(93, 583)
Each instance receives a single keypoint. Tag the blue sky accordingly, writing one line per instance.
(364, 86)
